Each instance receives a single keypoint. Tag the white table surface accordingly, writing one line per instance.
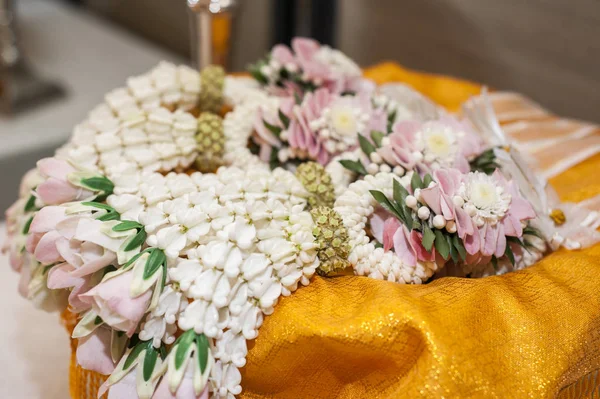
(89, 57)
(34, 359)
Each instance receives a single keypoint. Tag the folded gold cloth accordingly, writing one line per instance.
(529, 334)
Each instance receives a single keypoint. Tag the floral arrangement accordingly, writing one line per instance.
(189, 203)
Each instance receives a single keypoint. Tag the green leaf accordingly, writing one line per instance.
(485, 162)
(183, 344)
(202, 347)
(453, 251)
(136, 257)
(284, 119)
(415, 181)
(127, 225)
(509, 254)
(428, 237)
(416, 224)
(27, 225)
(385, 203)
(532, 231)
(98, 320)
(297, 98)
(441, 245)
(365, 145)
(516, 241)
(400, 195)
(30, 205)
(276, 130)
(391, 120)
(426, 180)
(99, 183)
(377, 137)
(135, 352)
(254, 70)
(111, 213)
(274, 158)
(156, 259)
(495, 262)
(163, 352)
(136, 241)
(149, 362)
(458, 244)
(354, 166)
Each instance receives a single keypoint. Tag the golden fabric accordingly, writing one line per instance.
(529, 334)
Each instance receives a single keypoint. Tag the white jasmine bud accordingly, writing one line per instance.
(385, 141)
(385, 168)
(372, 168)
(423, 213)
(417, 194)
(418, 156)
(411, 202)
(458, 201)
(471, 210)
(399, 170)
(439, 222)
(375, 157)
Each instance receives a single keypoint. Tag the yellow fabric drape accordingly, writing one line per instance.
(522, 335)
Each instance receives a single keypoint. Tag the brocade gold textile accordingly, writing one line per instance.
(529, 334)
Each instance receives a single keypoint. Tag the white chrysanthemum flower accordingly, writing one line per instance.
(484, 200)
(339, 124)
(438, 143)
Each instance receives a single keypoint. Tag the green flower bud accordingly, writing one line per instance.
(318, 183)
(332, 241)
(210, 142)
(212, 79)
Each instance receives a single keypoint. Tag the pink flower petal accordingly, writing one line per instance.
(403, 248)
(46, 251)
(390, 227)
(432, 197)
(47, 219)
(93, 351)
(55, 168)
(282, 54)
(501, 242)
(56, 192)
(416, 240)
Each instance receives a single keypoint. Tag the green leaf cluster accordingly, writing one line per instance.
(135, 241)
(111, 213)
(99, 184)
(485, 162)
(183, 345)
(368, 147)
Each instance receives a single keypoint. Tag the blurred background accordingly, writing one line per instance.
(64, 55)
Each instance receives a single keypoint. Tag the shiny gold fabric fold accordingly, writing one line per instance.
(529, 334)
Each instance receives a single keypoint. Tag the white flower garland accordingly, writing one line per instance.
(155, 140)
(236, 241)
(355, 206)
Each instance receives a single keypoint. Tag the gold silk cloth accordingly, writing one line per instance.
(528, 334)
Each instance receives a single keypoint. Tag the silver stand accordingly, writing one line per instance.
(20, 88)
